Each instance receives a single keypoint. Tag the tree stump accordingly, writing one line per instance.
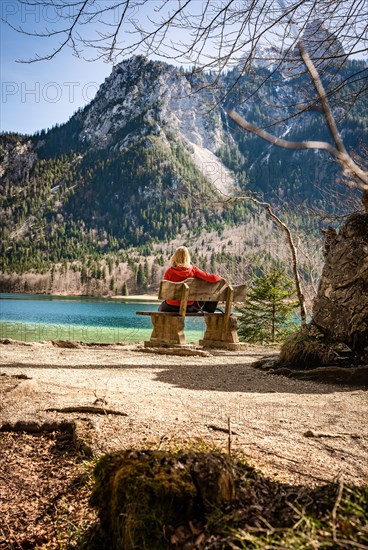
(143, 496)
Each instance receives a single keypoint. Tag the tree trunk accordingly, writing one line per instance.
(341, 306)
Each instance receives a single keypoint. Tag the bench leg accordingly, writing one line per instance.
(219, 336)
(167, 331)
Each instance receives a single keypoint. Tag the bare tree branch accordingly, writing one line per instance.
(340, 155)
(292, 247)
(279, 142)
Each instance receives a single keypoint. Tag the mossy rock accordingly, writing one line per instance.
(143, 496)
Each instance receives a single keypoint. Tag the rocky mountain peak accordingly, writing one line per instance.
(142, 98)
(157, 95)
(321, 43)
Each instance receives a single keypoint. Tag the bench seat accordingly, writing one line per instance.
(174, 314)
(221, 328)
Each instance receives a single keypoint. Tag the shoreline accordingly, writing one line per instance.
(21, 331)
(131, 299)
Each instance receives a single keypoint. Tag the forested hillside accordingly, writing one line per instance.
(96, 205)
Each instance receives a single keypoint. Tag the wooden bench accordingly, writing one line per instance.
(221, 328)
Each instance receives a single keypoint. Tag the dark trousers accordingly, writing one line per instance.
(208, 307)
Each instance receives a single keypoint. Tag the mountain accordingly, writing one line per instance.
(143, 166)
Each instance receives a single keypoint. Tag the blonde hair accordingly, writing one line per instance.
(181, 257)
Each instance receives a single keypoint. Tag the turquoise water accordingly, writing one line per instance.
(32, 317)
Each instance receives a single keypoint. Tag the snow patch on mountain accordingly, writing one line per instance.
(221, 178)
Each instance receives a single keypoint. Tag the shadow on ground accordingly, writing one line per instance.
(240, 378)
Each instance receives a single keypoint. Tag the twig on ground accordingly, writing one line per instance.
(86, 409)
(229, 437)
(334, 511)
(302, 516)
(219, 429)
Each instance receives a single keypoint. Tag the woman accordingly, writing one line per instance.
(181, 269)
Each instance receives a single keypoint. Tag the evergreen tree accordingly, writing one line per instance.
(141, 277)
(124, 290)
(268, 312)
(154, 273)
(84, 275)
(146, 270)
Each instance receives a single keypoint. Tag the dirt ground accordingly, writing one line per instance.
(44, 492)
(296, 431)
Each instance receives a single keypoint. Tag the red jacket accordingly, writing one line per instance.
(178, 274)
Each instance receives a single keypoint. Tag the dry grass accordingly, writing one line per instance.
(303, 350)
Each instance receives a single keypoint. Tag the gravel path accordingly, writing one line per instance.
(298, 431)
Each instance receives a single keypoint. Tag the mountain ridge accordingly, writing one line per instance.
(143, 164)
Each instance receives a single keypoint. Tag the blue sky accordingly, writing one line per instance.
(38, 95)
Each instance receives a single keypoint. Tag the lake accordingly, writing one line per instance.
(33, 317)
